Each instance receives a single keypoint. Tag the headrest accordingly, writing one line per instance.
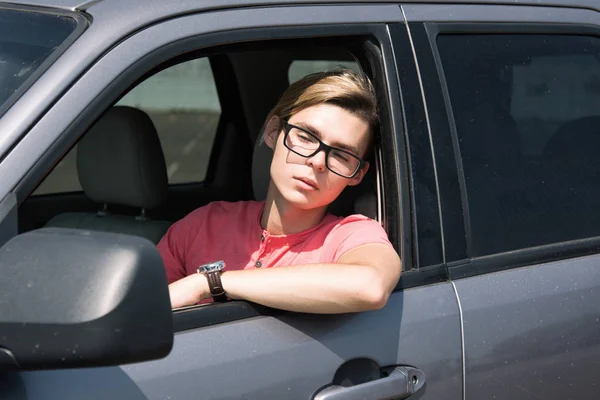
(361, 199)
(120, 160)
(261, 169)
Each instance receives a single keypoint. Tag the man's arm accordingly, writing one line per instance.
(362, 279)
(178, 240)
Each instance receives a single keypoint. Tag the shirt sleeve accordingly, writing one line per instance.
(354, 231)
(174, 245)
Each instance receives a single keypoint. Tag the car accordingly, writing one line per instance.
(119, 118)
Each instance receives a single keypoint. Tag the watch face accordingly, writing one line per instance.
(213, 266)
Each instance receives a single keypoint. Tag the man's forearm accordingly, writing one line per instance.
(314, 288)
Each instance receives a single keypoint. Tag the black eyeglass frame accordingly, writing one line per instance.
(287, 127)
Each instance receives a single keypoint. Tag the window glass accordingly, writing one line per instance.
(182, 102)
(300, 68)
(527, 113)
(27, 39)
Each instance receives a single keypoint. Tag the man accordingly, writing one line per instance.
(287, 252)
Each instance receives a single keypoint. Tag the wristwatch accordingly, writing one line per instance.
(212, 271)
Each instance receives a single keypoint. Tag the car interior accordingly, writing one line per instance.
(137, 170)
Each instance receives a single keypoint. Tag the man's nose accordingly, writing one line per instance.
(318, 161)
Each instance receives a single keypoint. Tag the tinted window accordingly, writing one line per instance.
(527, 114)
(27, 40)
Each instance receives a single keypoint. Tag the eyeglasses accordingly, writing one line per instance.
(305, 144)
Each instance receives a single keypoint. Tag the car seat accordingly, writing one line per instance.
(120, 162)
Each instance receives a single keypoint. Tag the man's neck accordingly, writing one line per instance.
(281, 218)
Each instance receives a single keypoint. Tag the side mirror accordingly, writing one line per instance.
(73, 298)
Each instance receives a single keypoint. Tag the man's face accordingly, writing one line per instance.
(306, 182)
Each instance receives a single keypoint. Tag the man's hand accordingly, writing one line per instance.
(189, 291)
(361, 280)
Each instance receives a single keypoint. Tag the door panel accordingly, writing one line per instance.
(286, 357)
(289, 356)
(294, 355)
(532, 333)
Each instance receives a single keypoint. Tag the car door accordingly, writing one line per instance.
(515, 89)
(240, 350)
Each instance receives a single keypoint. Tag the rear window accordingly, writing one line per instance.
(527, 113)
(29, 42)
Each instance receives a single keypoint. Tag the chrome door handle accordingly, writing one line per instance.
(399, 384)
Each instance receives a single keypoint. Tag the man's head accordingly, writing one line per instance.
(322, 131)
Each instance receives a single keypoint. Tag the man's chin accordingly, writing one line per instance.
(303, 201)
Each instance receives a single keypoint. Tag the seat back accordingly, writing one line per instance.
(120, 162)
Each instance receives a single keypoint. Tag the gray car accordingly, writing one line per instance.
(117, 118)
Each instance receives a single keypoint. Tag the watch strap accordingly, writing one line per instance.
(215, 286)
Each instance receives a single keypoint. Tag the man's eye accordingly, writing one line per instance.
(306, 138)
(340, 156)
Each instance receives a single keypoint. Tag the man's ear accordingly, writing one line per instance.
(359, 175)
(272, 131)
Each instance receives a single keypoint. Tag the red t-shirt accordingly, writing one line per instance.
(231, 231)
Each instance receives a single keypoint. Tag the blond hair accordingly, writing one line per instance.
(341, 87)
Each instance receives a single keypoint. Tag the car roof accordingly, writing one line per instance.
(199, 5)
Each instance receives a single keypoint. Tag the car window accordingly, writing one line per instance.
(301, 68)
(27, 40)
(183, 104)
(527, 111)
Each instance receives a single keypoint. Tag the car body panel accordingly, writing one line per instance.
(532, 332)
(497, 13)
(529, 332)
(287, 357)
(292, 356)
(200, 5)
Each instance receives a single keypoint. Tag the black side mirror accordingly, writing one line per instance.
(72, 298)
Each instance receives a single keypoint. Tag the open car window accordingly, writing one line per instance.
(183, 104)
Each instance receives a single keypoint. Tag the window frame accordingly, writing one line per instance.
(417, 125)
(461, 263)
(394, 178)
(81, 24)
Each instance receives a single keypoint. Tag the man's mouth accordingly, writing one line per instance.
(309, 182)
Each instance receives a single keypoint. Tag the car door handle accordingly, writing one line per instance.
(399, 384)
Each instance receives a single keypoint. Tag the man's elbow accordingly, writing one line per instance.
(378, 292)
(375, 299)
(376, 295)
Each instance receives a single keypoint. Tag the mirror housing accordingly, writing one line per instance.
(75, 298)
